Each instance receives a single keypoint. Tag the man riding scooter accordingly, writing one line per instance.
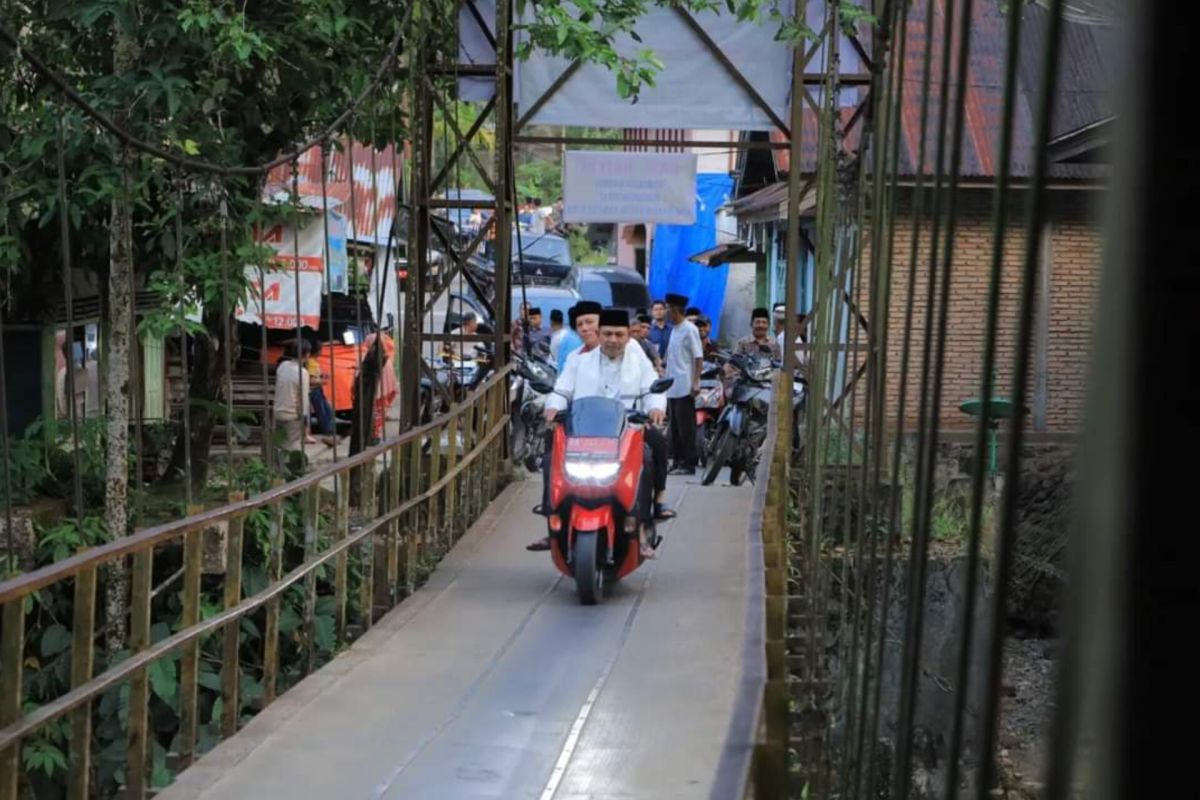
(620, 371)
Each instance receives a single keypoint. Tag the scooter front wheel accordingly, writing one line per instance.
(589, 577)
(702, 444)
(722, 451)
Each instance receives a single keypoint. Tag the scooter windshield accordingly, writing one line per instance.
(596, 416)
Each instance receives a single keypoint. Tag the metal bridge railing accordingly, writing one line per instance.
(404, 501)
(754, 759)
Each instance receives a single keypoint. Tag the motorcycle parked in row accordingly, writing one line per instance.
(457, 377)
(741, 427)
(710, 401)
(529, 427)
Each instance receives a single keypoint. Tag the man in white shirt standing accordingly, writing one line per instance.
(557, 332)
(291, 399)
(537, 220)
(685, 362)
(801, 342)
(618, 370)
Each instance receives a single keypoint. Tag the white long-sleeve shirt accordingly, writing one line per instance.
(593, 374)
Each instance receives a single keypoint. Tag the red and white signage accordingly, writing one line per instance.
(289, 292)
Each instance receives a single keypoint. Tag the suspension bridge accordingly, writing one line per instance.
(365, 621)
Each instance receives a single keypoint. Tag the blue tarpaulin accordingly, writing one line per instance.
(670, 270)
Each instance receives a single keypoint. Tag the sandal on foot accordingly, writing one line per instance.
(662, 512)
(540, 544)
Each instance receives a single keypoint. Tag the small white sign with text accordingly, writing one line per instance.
(616, 186)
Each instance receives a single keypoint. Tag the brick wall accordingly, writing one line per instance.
(1077, 252)
(1075, 260)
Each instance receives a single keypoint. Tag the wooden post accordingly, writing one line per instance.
(189, 665)
(271, 629)
(309, 510)
(230, 666)
(490, 462)
(82, 647)
(433, 515)
(366, 514)
(395, 496)
(451, 489)
(411, 525)
(381, 540)
(139, 684)
(12, 646)
(341, 570)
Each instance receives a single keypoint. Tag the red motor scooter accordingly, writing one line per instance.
(596, 468)
(709, 404)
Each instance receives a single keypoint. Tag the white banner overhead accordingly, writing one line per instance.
(694, 91)
(615, 186)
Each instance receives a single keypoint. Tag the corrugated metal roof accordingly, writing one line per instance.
(374, 190)
(730, 252)
(765, 198)
(1087, 66)
(769, 203)
(1080, 94)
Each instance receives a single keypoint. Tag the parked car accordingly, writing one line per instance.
(542, 257)
(619, 287)
(547, 298)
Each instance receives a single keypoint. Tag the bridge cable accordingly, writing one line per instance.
(1006, 537)
(987, 380)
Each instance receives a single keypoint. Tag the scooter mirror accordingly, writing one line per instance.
(661, 385)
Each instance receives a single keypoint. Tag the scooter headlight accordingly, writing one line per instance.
(593, 470)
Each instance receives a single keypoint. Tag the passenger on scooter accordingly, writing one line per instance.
(585, 316)
(620, 371)
(582, 338)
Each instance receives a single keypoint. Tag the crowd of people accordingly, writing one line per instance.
(537, 218)
(610, 353)
(533, 216)
(597, 351)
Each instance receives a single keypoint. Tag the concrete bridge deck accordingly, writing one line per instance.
(493, 682)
